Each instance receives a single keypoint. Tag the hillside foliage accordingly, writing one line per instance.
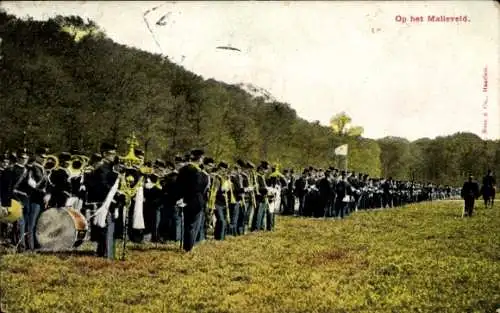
(64, 84)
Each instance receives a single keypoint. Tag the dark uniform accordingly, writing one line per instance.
(60, 188)
(470, 192)
(192, 186)
(105, 180)
(488, 189)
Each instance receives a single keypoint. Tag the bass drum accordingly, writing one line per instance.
(60, 229)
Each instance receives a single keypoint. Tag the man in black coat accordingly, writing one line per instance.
(470, 192)
(105, 179)
(192, 185)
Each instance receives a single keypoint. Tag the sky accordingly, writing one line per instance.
(394, 75)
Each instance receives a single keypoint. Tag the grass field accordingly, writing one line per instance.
(420, 258)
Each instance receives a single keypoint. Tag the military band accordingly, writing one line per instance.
(110, 197)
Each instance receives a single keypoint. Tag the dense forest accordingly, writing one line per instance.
(64, 84)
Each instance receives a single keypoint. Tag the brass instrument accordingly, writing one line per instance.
(14, 212)
(131, 160)
(127, 187)
(51, 162)
(77, 164)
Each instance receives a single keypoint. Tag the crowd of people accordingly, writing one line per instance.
(71, 198)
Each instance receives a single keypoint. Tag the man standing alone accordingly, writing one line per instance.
(470, 192)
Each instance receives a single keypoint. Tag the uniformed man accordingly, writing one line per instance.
(262, 213)
(16, 187)
(220, 201)
(38, 182)
(105, 193)
(60, 184)
(470, 192)
(489, 189)
(171, 220)
(192, 186)
(300, 191)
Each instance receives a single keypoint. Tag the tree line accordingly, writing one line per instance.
(64, 84)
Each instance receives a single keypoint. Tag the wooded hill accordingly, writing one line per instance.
(67, 85)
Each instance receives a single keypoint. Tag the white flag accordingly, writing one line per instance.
(341, 150)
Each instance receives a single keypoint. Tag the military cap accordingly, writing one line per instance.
(250, 165)
(187, 157)
(241, 163)
(159, 163)
(64, 156)
(285, 171)
(178, 159)
(197, 153)
(148, 164)
(169, 164)
(108, 147)
(264, 164)
(22, 153)
(343, 173)
(139, 152)
(41, 151)
(223, 164)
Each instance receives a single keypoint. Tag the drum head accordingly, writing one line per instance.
(55, 230)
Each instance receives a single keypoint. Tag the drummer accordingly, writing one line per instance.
(37, 182)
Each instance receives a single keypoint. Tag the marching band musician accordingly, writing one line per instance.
(90, 183)
(6, 191)
(218, 201)
(277, 182)
(192, 186)
(38, 182)
(59, 190)
(207, 168)
(103, 193)
(20, 192)
(262, 202)
(233, 182)
(171, 217)
(250, 192)
(153, 194)
(240, 182)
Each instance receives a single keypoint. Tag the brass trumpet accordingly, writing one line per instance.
(77, 164)
(51, 162)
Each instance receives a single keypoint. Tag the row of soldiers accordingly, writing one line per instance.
(180, 200)
(186, 199)
(335, 193)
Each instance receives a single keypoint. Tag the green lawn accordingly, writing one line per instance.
(420, 258)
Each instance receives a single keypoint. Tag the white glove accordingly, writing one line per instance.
(31, 182)
(46, 198)
(181, 203)
(4, 211)
(116, 214)
(148, 185)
